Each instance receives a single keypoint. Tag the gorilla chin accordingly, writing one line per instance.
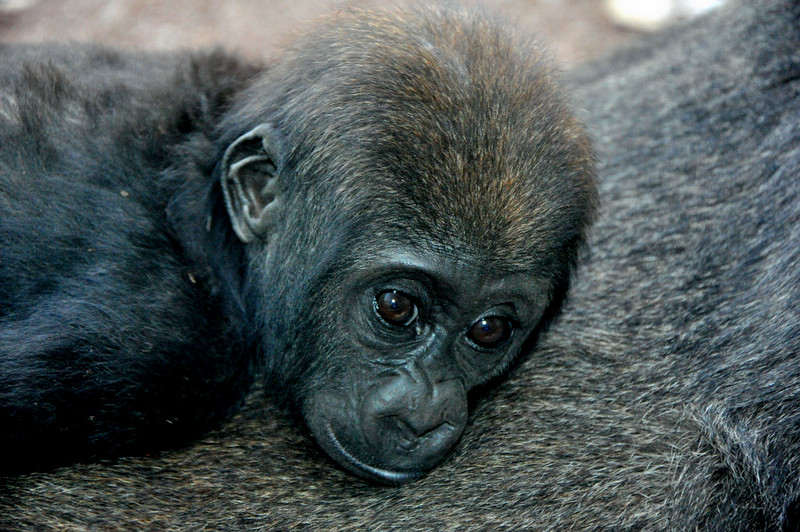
(399, 429)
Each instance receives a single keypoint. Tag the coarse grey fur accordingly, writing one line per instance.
(667, 395)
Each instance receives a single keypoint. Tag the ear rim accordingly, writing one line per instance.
(237, 198)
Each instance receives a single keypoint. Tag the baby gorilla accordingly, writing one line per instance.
(374, 224)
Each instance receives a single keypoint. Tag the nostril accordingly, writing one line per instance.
(444, 426)
(409, 438)
(404, 430)
(405, 437)
(412, 428)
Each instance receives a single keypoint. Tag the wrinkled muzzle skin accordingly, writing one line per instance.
(394, 429)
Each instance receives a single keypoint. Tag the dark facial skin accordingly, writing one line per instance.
(429, 329)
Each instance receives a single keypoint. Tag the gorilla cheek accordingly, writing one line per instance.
(397, 429)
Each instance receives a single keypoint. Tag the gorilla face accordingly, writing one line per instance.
(409, 337)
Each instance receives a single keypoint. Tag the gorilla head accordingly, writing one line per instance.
(412, 193)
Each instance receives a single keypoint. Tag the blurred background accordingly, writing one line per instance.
(574, 30)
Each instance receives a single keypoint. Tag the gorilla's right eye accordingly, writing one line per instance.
(396, 308)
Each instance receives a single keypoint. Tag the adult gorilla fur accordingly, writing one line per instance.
(666, 396)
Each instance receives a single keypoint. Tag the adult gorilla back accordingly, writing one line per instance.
(667, 395)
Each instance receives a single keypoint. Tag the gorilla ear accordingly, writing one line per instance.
(250, 168)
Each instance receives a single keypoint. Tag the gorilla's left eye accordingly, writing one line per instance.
(396, 308)
(490, 331)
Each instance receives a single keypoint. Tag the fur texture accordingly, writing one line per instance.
(667, 396)
(174, 224)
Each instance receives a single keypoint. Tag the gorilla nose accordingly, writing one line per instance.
(424, 446)
(410, 423)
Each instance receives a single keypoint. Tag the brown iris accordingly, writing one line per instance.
(395, 308)
(490, 331)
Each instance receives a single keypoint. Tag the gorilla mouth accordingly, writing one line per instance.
(337, 451)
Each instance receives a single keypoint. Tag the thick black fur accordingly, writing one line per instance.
(665, 398)
(97, 304)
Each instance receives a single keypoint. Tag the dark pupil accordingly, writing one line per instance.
(395, 308)
(490, 331)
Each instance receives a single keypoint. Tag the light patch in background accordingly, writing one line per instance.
(650, 15)
(10, 6)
